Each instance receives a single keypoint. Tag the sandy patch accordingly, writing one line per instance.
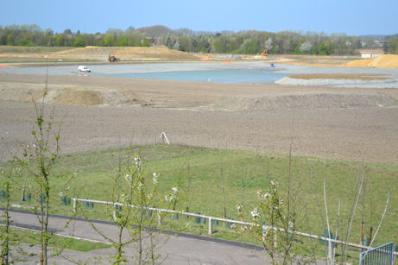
(381, 61)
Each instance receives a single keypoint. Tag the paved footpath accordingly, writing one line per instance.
(173, 249)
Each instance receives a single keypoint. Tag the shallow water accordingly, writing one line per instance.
(237, 72)
(216, 76)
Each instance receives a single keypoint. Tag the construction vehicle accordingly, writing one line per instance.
(264, 53)
(113, 59)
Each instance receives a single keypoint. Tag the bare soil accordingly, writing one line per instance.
(92, 54)
(98, 113)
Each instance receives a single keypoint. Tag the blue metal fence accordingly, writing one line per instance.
(382, 255)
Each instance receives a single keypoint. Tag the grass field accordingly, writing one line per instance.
(210, 179)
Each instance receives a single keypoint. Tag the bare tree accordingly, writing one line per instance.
(5, 189)
(39, 159)
(133, 194)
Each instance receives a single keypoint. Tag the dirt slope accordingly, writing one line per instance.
(382, 61)
(123, 53)
(91, 53)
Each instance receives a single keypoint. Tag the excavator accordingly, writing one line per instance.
(112, 59)
(264, 53)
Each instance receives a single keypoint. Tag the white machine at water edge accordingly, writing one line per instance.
(84, 69)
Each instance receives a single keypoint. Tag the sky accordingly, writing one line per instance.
(353, 17)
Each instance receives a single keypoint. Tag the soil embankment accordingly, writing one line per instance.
(381, 61)
(93, 90)
(92, 54)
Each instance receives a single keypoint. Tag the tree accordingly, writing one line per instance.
(79, 41)
(5, 190)
(271, 214)
(39, 159)
(250, 42)
(306, 47)
(132, 194)
(268, 44)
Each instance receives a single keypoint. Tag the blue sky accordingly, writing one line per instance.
(356, 17)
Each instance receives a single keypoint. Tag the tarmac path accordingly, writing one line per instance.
(175, 249)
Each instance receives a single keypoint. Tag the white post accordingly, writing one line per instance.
(159, 218)
(210, 230)
(114, 214)
(164, 138)
(74, 205)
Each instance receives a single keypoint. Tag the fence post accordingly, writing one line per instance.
(74, 205)
(210, 230)
(159, 218)
(114, 213)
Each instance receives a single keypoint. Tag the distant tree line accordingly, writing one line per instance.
(391, 44)
(243, 42)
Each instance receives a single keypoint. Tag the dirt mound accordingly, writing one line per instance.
(123, 53)
(381, 61)
(79, 97)
(310, 101)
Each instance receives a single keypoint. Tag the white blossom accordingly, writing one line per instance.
(239, 208)
(255, 213)
(128, 178)
(137, 161)
(263, 195)
(155, 178)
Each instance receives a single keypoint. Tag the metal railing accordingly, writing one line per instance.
(210, 220)
(382, 255)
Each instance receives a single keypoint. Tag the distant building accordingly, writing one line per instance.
(370, 53)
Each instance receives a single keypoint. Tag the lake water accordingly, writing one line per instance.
(236, 72)
(216, 76)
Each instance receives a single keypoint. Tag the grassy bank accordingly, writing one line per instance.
(214, 181)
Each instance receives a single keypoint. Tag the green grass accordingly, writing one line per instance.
(31, 237)
(203, 174)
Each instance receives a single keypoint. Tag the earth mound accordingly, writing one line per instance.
(381, 61)
(122, 53)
